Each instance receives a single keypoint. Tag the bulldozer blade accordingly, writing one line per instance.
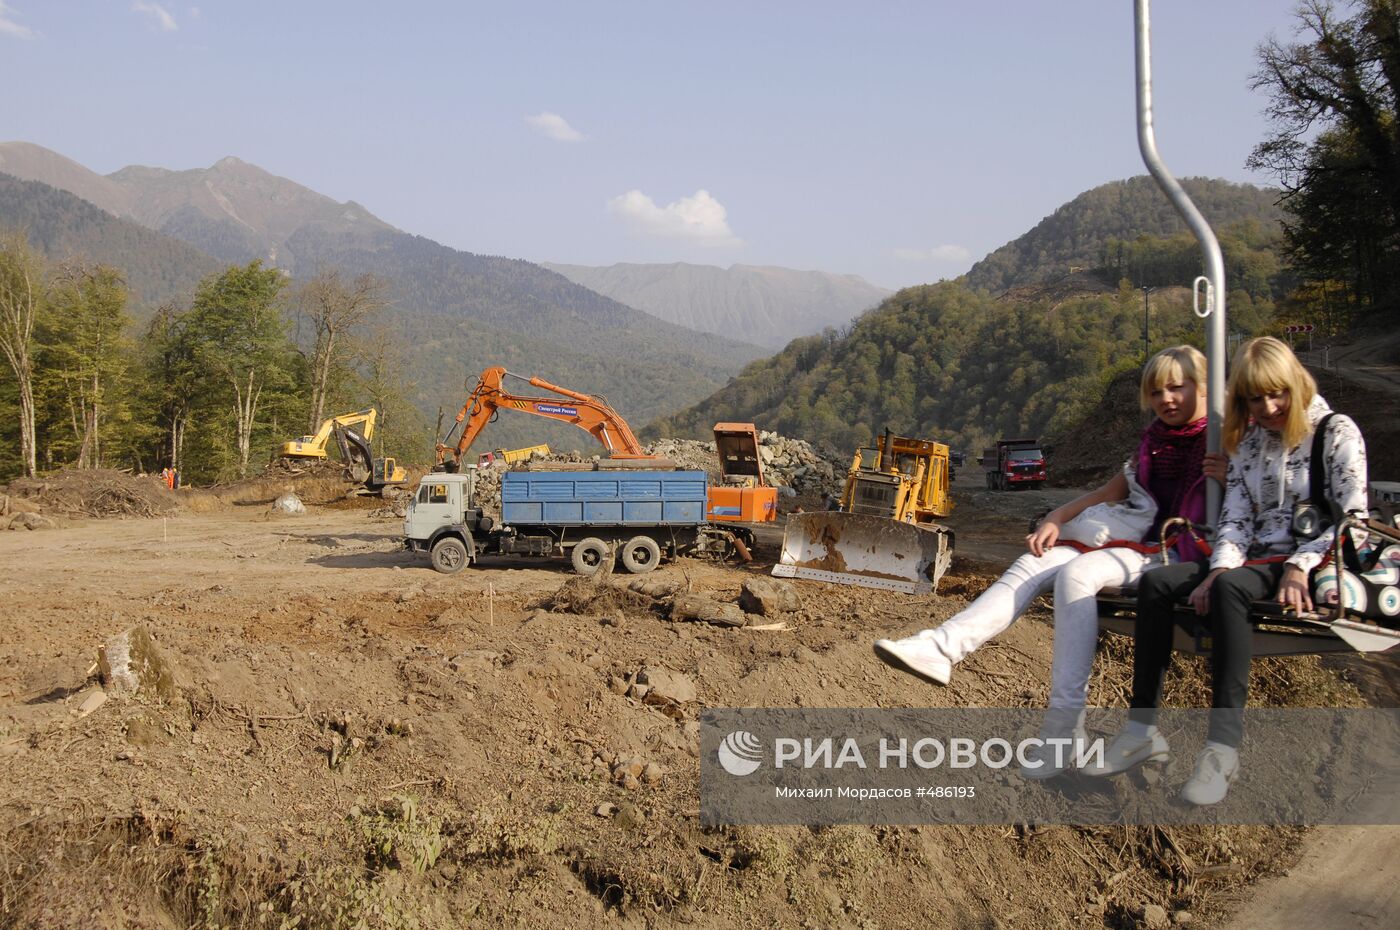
(875, 552)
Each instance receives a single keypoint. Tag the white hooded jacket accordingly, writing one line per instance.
(1265, 480)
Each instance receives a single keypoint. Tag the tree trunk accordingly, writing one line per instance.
(247, 408)
(96, 437)
(320, 376)
(28, 448)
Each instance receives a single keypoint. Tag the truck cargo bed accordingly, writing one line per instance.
(624, 498)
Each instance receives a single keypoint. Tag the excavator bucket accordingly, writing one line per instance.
(876, 552)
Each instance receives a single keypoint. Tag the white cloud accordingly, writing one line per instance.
(699, 218)
(947, 254)
(163, 20)
(555, 126)
(8, 27)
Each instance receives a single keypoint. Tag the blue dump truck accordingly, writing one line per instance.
(636, 516)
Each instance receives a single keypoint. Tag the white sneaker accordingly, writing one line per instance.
(1215, 770)
(917, 657)
(1127, 752)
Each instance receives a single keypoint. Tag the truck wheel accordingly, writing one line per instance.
(589, 555)
(641, 554)
(449, 555)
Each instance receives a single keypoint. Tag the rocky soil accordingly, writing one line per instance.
(325, 733)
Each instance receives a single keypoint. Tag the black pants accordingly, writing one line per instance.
(1231, 595)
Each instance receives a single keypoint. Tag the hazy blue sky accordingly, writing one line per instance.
(898, 141)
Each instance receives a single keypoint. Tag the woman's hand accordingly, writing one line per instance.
(1044, 537)
(1200, 598)
(1215, 465)
(1293, 591)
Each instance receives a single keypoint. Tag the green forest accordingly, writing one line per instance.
(211, 388)
(947, 362)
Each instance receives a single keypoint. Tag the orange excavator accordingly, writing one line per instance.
(590, 413)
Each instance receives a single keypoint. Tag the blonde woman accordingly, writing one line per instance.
(1163, 479)
(1273, 410)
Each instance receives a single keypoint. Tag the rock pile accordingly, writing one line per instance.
(787, 463)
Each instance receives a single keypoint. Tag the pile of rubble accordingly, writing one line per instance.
(32, 503)
(793, 466)
(787, 463)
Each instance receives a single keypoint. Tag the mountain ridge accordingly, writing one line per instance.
(461, 312)
(764, 304)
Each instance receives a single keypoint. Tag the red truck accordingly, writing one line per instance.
(1014, 463)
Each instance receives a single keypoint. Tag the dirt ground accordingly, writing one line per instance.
(352, 740)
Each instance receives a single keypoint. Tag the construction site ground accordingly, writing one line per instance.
(353, 740)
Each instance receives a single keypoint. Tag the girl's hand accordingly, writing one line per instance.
(1044, 537)
(1215, 464)
(1293, 591)
(1200, 598)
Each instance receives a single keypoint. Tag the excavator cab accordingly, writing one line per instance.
(362, 468)
(743, 494)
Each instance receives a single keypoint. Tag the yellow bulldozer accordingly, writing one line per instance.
(882, 534)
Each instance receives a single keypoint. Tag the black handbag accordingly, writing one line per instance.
(1312, 517)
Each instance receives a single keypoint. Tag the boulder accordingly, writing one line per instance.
(667, 684)
(28, 520)
(769, 597)
(1154, 917)
(288, 503)
(132, 663)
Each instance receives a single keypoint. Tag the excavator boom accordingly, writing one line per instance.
(314, 447)
(590, 413)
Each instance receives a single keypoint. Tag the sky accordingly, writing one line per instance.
(900, 141)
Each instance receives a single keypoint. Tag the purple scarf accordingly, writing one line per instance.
(1169, 466)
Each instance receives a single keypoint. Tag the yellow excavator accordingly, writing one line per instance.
(352, 432)
(883, 534)
(314, 447)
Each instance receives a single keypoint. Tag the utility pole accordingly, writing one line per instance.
(1145, 291)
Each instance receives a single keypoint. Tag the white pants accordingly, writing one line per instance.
(1077, 579)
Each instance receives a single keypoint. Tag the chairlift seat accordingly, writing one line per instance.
(1275, 633)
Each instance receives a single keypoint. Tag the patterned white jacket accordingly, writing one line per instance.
(1265, 480)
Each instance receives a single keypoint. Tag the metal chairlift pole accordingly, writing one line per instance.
(1212, 308)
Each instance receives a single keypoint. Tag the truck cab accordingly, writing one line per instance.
(1014, 463)
(442, 519)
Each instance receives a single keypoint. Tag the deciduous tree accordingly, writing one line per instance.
(21, 294)
(86, 351)
(239, 335)
(1335, 144)
(334, 311)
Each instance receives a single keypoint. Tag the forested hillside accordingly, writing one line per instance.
(157, 267)
(447, 315)
(1026, 341)
(1097, 228)
(947, 362)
